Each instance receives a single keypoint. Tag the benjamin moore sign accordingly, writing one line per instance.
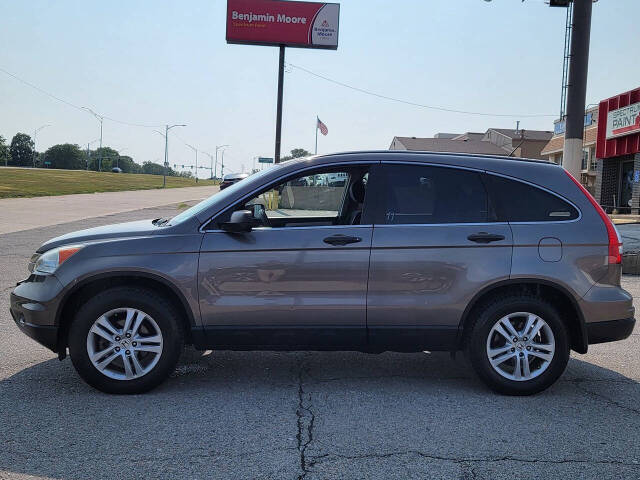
(277, 22)
(623, 121)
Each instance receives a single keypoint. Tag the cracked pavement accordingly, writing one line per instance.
(309, 415)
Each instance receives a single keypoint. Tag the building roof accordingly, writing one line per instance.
(449, 145)
(528, 134)
(469, 136)
(556, 144)
(445, 135)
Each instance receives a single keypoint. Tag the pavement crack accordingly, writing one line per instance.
(608, 400)
(328, 458)
(305, 423)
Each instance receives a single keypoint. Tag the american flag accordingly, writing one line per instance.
(323, 128)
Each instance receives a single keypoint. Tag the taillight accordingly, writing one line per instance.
(615, 242)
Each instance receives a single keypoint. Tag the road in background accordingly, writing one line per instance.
(630, 234)
(18, 214)
(309, 415)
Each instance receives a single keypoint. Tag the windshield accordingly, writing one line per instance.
(222, 196)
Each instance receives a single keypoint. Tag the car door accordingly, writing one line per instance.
(299, 278)
(434, 248)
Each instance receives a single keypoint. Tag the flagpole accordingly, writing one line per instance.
(316, 135)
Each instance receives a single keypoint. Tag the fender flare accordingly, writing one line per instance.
(580, 344)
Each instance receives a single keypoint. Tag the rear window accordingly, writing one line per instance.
(514, 201)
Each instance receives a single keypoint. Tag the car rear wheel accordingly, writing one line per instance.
(125, 340)
(518, 345)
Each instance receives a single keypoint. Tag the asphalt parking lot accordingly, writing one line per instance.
(308, 415)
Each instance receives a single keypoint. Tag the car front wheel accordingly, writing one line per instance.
(518, 345)
(125, 340)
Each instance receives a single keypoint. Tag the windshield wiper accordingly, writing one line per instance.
(160, 221)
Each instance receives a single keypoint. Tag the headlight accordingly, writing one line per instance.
(48, 262)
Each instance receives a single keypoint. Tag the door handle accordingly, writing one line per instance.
(484, 237)
(341, 239)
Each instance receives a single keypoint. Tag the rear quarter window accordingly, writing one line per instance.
(515, 201)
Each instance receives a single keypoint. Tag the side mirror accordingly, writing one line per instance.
(241, 221)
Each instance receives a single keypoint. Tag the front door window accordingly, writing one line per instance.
(326, 198)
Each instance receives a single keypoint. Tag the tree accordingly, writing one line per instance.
(296, 153)
(21, 150)
(108, 155)
(155, 169)
(127, 165)
(66, 156)
(4, 151)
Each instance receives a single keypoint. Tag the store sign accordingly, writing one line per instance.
(277, 22)
(623, 121)
(559, 126)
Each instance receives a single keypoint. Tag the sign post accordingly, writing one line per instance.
(283, 24)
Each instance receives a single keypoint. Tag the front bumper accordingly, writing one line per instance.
(33, 306)
(610, 331)
(43, 334)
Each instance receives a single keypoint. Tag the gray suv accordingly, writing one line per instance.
(511, 261)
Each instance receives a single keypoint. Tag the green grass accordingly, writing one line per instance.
(27, 182)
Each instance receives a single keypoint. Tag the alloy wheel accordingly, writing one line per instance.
(124, 343)
(520, 346)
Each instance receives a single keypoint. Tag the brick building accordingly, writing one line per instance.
(618, 152)
(611, 154)
(553, 150)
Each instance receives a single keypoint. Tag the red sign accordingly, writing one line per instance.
(277, 22)
(619, 125)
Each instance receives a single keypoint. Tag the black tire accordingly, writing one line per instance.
(150, 302)
(478, 333)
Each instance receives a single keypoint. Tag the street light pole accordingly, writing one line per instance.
(35, 150)
(89, 151)
(100, 119)
(195, 150)
(211, 164)
(166, 151)
(215, 174)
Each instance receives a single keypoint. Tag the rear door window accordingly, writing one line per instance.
(514, 201)
(420, 194)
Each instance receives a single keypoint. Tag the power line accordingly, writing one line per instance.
(415, 104)
(61, 100)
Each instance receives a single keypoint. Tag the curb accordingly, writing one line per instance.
(631, 263)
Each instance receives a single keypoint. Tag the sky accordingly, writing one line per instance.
(158, 62)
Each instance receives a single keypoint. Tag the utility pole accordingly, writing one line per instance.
(35, 134)
(195, 150)
(211, 164)
(215, 172)
(89, 151)
(279, 105)
(100, 118)
(166, 151)
(222, 166)
(577, 87)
